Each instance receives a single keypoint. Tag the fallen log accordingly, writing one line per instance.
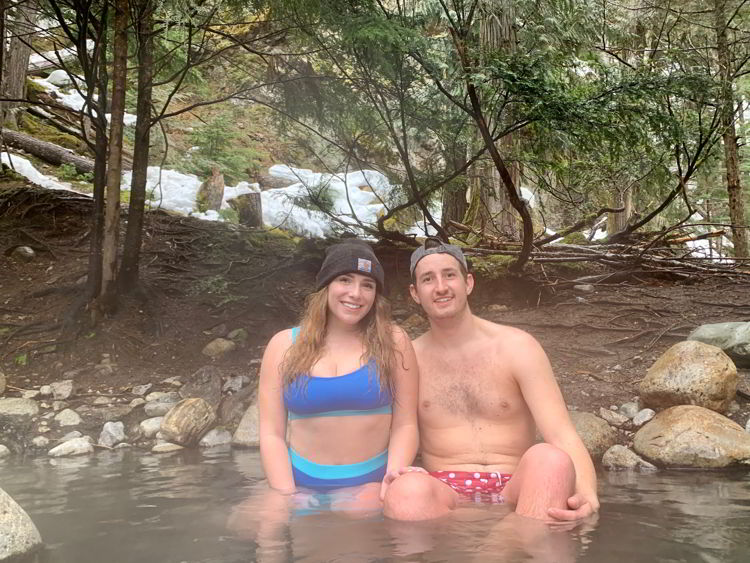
(49, 152)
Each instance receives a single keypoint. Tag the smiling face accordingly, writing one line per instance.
(350, 297)
(440, 286)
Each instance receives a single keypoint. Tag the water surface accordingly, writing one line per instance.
(124, 506)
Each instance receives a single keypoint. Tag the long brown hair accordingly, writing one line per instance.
(377, 336)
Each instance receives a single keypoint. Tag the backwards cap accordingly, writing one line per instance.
(434, 245)
(350, 257)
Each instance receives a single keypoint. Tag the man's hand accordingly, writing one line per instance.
(394, 474)
(578, 509)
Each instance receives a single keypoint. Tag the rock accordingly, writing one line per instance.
(188, 421)
(62, 390)
(246, 435)
(5, 451)
(68, 417)
(157, 408)
(76, 446)
(30, 394)
(163, 396)
(19, 537)
(98, 415)
(3, 383)
(238, 335)
(215, 437)
(58, 405)
(205, 383)
(597, 435)
(99, 401)
(166, 447)
(150, 426)
(629, 409)
(584, 288)
(732, 338)
(643, 417)
(137, 402)
(234, 383)
(40, 442)
(70, 436)
(218, 347)
(691, 436)
(619, 457)
(141, 389)
(16, 407)
(59, 78)
(211, 192)
(112, 434)
(174, 381)
(233, 407)
(690, 373)
(23, 253)
(496, 308)
(45, 390)
(613, 418)
(249, 208)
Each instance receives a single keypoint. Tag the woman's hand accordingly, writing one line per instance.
(394, 474)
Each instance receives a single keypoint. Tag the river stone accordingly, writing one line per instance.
(163, 396)
(70, 436)
(205, 383)
(137, 402)
(629, 409)
(215, 437)
(68, 417)
(690, 373)
(150, 426)
(112, 434)
(3, 383)
(238, 336)
(188, 421)
(732, 338)
(40, 442)
(141, 389)
(16, 407)
(76, 446)
(691, 436)
(45, 390)
(166, 447)
(597, 435)
(619, 457)
(19, 536)
(4, 451)
(25, 253)
(643, 416)
(234, 383)
(613, 418)
(246, 435)
(62, 390)
(98, 415)
(218, 347)
(158, 408)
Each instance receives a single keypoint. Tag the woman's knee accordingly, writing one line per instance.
(413, 496)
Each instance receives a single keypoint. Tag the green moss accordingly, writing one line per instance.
(33, 90)
(491, 267)
(575, 238)
(40, 130)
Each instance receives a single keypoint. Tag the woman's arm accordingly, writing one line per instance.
(272, 417)
(404, 440)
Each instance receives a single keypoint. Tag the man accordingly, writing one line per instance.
(484, 389)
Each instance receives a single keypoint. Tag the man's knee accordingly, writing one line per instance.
(551, 458)
(413, 496)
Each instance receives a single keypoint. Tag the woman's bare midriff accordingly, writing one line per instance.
(338, 440)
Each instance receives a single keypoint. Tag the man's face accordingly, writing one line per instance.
(440, 287)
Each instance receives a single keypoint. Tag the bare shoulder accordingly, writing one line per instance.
(421, 342)
(279, 342)
(509, 338)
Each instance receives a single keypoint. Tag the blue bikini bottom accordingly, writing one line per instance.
(326, 477)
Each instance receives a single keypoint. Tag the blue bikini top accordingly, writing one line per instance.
(354, 393)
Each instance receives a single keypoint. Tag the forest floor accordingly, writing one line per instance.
(201, 280)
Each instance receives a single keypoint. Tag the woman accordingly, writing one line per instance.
(343, 385)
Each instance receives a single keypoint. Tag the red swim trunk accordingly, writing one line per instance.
(477, 486)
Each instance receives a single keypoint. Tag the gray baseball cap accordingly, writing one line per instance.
(434, 245)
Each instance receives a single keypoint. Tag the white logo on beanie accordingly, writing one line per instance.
(364, 265)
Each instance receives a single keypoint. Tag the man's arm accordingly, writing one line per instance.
(542, 395)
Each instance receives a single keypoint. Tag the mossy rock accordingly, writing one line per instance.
(491, 267)
(575, 238)
(40, 130)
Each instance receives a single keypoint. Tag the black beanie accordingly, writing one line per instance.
(350, 257)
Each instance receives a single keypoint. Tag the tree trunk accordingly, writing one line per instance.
(20, 29)
(617, 222)
(49, 152)
(454, 195)
(737, 215)
(249, 208)
(133, 236)
(114, 162)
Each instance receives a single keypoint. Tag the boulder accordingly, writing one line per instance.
(732, 338)
(68, 417)
(216, 437)
(246, 435)
(151, 426)
(597, 435)
(112, 433)
(76, 446)
(19, 537)
(692, 436)
(59, 77)
(205, 383)
(619, 457)
(690, 373)
(218, 347)
(23, 253)
(187, 422)
(18, 408)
